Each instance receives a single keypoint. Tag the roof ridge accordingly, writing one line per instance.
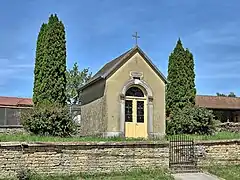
(13, 97)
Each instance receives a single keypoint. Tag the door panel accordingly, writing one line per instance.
(129, 118)
(141, 121)
(135, 118)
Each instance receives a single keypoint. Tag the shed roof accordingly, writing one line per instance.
(218, 102)
(15, 101)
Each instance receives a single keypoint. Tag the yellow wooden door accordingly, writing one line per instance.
(141, 119)
(135, 118)
(129, 120)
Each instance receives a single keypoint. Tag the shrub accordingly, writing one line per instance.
(48, 119)
(24, 174)
(192, 120)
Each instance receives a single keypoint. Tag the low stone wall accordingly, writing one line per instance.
(218, 152)
(80, 157)
(12, 129)
(230, 127)
(67, 158)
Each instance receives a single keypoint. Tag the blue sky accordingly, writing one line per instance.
(99, 30)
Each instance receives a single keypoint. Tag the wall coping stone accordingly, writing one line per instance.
(11, 126)
(217, 142)
(123, 144)
(139, 144)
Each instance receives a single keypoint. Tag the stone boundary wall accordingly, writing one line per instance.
(88, 157)
(230, 127)
(222, 152)
(12, 129)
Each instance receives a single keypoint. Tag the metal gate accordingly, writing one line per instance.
(181, 154)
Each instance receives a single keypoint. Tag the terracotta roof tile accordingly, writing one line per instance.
(218, 102)
(15, 101)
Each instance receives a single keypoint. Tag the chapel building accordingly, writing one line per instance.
(126, 98)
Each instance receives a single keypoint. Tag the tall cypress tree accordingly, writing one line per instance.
(181, 87)
(189, 65)
(55, 62)
(51, 84)
(38, 72)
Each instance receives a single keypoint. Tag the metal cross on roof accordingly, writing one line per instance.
(136, 37)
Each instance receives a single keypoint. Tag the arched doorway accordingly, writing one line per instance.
(136, 112)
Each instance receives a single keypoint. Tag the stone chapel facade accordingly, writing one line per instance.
(125, 98)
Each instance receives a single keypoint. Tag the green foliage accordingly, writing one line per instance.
(75, 79)
(23, 137)
(181, 89)
(24, 174)
(50, 66)
(228, 172)
(222, 115)
(191, 120)
(190, 86)
(48, 120)
(136, 174)
(224, 135)
(231, 94)
(38, 72)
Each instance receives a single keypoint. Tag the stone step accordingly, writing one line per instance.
(177, 168)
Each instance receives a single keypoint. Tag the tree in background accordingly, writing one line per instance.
(50, 66)
(75, 79)
(231, 94)
(181, 90)
(38, 71)
(224, 115)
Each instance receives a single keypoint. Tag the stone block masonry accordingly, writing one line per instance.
(93, 157)
(57, 158)
(222, 152)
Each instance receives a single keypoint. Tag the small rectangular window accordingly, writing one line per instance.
(140, 111)
(136, 78)
(128, 111)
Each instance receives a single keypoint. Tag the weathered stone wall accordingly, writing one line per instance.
(11, 129)
(230, 127)
(82, 157)
(218, 152)
(92, 157)
(93, 118)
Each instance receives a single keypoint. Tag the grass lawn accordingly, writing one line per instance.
(133, 175)
(217, 136)
(33, 138)
(227, 172)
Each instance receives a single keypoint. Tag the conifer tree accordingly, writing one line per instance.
(191, 89)
(181, 77)
(50, 81)
(55, 62)
(38, 72)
